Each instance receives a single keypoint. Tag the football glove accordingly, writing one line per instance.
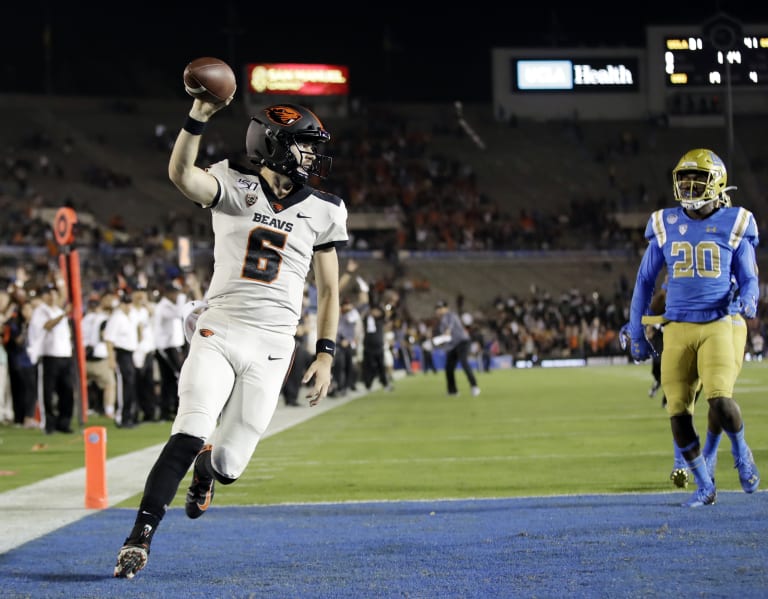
(624, 337)
(639, 347)
(749, 307)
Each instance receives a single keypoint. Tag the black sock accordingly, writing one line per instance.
(163, 481)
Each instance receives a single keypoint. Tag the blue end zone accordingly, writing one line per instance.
(585, 546)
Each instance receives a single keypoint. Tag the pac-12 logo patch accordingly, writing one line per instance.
(206, 332)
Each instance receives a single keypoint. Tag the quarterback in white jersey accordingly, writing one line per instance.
(270, 228)
(264, 247)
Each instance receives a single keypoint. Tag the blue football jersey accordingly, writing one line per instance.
(703, 258)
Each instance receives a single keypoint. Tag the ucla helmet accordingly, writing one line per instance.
(273, 137)
(699, 178)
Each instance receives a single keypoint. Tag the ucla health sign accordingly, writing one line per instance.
(574, 75)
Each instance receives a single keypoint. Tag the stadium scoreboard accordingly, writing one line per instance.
(695, 61)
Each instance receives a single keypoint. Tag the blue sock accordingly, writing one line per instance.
(711, 444)
(699, 469)
(738, 444)
(679, 459)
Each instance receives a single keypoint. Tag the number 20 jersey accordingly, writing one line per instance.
(701, 256)
(263, 247)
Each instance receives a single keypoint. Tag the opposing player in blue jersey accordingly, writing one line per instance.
(704, 245)
(680, 476)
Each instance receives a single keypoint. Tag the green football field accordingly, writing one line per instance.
(532, 432)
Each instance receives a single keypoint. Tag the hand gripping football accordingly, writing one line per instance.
(209, 79)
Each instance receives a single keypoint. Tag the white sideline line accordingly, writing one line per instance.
(32, 511)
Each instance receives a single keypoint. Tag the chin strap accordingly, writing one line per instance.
(697, 204)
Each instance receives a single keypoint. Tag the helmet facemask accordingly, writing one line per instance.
(285, 138)
(693, 189)
(309, 162)
(699, 179)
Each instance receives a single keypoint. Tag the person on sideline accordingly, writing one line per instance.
(452, 336)
(121, 336)
(22, 372)
(98, 368)
(169, 339)
(270, 228)
(705, 245)
(50, 334)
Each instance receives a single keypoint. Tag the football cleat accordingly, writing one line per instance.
(680, 477)
(130, 560)
(200, 492)
(749, 477)
(475, 391)
(701, 497)
(654, 388)
(134, 553)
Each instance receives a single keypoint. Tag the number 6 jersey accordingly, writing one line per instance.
(263, 246)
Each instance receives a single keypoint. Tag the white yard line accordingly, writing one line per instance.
(30, 512)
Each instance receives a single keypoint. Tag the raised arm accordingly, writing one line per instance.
(196, 184)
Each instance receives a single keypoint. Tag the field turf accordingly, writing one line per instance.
(531, 432)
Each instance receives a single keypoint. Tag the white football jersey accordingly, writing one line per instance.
(263, 247)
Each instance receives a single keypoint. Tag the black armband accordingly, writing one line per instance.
(194, 127)
(325, 346)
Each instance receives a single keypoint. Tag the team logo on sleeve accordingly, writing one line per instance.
(206, 332)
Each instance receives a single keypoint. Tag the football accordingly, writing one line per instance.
(209, 79)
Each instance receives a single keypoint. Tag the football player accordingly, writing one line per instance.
(704, 245)
(270, 228)
(680, 476)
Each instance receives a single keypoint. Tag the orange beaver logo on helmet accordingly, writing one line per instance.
(283, 115)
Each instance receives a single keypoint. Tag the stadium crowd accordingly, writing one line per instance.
(387, 166)
(527, 328)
